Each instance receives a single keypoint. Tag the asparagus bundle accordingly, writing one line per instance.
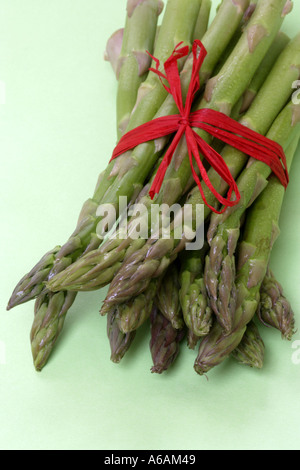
(226, 21)
(210, 295)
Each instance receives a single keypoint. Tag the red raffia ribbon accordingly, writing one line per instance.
(214, 122)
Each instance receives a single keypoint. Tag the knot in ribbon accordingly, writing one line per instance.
(213, 122)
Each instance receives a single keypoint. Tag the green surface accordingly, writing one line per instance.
(57, 132)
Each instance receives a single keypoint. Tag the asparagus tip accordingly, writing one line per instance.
(14, 301)
(115, 359)
(157, 369)
(104, 309)
(201, 370)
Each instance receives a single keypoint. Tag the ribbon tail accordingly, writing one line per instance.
(194, 144)
(199, 53)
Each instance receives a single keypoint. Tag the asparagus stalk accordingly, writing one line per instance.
(164, 343)
(134, 313)
(49, 316)
(192, 339)
(119, 342)
(251, 350)
(195, 304)
(274, 309)
(202, 20)
(261, 231)
(134, 61)
(221, 33)
(32, 284)
(278, 46)
(167, 297)
(250, 10)
(171, 190)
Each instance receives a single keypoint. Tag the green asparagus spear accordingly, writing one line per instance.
(134, 61)
(119, 342)
(251, 350)
(49, 316)
(260, 232)
(31, 285)
(133, 314)
(202, 20)
(278, 46)
(164, 343)
(274, 309)
(194, 301)
(242, 106)
(167, 297)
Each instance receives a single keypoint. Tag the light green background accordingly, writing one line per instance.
(57, 133)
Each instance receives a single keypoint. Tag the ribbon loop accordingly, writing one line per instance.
(213, 122)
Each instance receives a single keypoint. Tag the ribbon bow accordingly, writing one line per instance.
(215, 123)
